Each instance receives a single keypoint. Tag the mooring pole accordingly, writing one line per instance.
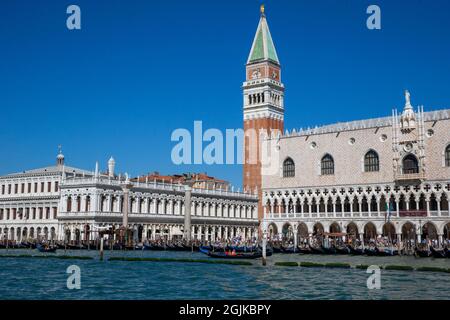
(264, 242)
(264, 245)
(101, 248)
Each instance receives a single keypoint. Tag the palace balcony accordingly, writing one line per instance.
(401, 177)
(414, 213)
(358, 215)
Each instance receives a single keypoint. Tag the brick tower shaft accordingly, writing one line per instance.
(263, 103)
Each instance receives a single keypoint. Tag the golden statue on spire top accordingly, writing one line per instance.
(262, 9)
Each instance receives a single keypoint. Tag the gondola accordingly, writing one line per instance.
(316, 250)
(385, 252)
(372, 251)
(22, 245)
(276, 249)
(304, 250)
(447, 252)
(342, 250)
(147, 247)
(437, 253)
(171, 247)
(188, 247)
(73, 247)
(46, 249)
(329, 250)
(241, 248)
(204, 249)
(290, 249)
(181, 247)
(60, 246)
(32, 245)
(423, 253)
(158, 247)
(356, 251)
(237, 255)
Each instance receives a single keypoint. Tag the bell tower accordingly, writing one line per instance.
(263, 102)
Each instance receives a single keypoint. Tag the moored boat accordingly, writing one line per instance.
(371, 251)
(356, 251)
(289, 249)
(437, 253)
(204, 249)
(316, 250)
(342, 250)
(276, 249)
(385, 251)
(236, 255)
(329, 250)
(423, 253)
(304, 250)
(46, 248)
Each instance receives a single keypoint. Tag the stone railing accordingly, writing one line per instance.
(157, 185)
(364, 214)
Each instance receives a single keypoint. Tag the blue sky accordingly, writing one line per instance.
(140, 69)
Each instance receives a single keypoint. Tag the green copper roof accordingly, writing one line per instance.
(263, 47)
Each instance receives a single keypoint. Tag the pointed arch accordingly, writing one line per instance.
(288, 168)
(447, 155)
(371, 161)
(410, 164)
(327, 165)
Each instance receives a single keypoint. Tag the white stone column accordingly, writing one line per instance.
(153, 232)
(295, 230)
(171, 207)
(438, 202)
(397, 206)
(144, 232)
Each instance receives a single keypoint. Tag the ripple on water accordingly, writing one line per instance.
(46, 279)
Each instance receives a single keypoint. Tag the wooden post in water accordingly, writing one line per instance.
(101, 248)
(264, 245)
(264, 242)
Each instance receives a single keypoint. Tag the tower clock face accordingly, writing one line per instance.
(256, 74)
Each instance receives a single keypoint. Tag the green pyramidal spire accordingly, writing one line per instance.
(263, 47)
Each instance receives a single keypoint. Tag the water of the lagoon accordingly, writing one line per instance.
(46, 278)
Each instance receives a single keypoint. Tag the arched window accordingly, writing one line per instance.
(288, 168)
(447, 156)
(410, 164)
(327, 165)
(371, 162)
